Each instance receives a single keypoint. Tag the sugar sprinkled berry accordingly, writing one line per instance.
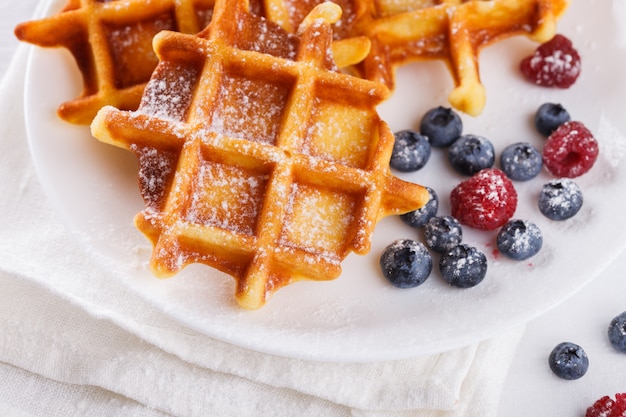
(560, 199)
(555, 63)
(568, 361)
(406, 263)
(442, 233)
(570, 151)
(519, 239)
(521, 161)
(411, 151)
(608, 407)
(463, 266)
(418, 218)
(471, 153)
(485, 201)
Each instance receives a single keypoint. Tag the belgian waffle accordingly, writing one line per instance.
(111, 43)
(255, 156)
(454, 31)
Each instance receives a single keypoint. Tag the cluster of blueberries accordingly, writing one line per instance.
(407, 263)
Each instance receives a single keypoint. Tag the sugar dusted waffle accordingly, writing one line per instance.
(256, 157)
(111, 43)
(454, 31)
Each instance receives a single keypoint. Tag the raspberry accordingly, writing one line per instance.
(570, 151)
(555, 63)
(485, 201)
(607, 407)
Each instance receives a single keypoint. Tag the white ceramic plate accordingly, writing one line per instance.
(360, 317)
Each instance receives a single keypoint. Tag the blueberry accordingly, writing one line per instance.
(549, 116)
(470, 154)
(463, 266)
(442, 126)
(568, 361)
(411, 151)
(406, 263)
(419, 217)
(617, 332)
(560, 199)
(519, 239)
(521, 161)
(442, 233)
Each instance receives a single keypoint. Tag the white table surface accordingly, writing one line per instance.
(530, 389)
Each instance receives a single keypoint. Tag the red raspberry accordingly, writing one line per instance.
(607, 407)
(485, 201)
(554, 64)
(570, 151)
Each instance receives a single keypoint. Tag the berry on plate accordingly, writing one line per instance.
(519, 239)
(406, 263)
(411, 151)
(549, 117)
(521, 161)
(570, 151)
(470, 154)
(617, 332)
(442, 126)
(485, 201)
(463, 266)
(442, 233)
(607, 407)
(555, 63)
(568, 361)
(560, 199)
(418, 218)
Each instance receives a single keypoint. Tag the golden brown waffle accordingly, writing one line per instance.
(256, 157)
(454, 31)
(111, 43)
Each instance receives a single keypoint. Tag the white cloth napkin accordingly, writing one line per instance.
(73, 343)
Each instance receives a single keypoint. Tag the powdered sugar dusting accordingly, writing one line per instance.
(155, 170)
(342, 135)
(520, 239)
(167, 96)
(268, 38)
(317, 220)
(613, 141)
(562, 193)
(250, 109)
(559, 62)
(227, 197)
